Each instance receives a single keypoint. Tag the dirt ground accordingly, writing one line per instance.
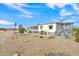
(33, 45)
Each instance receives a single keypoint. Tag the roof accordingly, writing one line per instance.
(65, 22)
(58, 23)
(61, 22)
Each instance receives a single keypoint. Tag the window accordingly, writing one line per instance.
(35, 27)
(50, 27)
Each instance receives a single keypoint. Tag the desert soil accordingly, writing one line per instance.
(33, 45)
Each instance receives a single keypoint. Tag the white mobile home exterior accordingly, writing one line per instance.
(48, 28)
(52, 28)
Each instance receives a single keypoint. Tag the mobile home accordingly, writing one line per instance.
(56, 28)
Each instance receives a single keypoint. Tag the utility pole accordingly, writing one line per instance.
(14, 31)
(15, 24)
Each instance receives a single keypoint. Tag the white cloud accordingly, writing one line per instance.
(52, 5)
(31, 6)
(62, 5)
(70, 20)
(24, 16)
(63, 12)
(29, 16)
(6, 22)
(75, 6)
(18, 7)
(21, 4)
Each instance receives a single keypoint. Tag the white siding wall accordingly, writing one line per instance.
(46, 28)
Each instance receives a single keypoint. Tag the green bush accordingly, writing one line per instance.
(77, 36)
(21, 29)
(76, 30)
(30, 31)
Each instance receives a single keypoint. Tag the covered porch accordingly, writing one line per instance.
(64, 29)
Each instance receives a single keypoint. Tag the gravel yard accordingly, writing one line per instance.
(4, 36)
(33, 45)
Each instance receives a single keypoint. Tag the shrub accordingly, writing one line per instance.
(51, 37)
(30, 31)
(21, 29)
(76, 30)
(41, 36)
(77, 37)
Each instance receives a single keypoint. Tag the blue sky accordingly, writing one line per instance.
(38, 13)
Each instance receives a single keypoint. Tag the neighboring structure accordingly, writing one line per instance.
(57, 28)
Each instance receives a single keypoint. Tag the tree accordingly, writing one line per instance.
(21, 29)
(76, 30)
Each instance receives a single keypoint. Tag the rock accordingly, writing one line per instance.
(54, 54)
(15, 54)
(26, 40)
